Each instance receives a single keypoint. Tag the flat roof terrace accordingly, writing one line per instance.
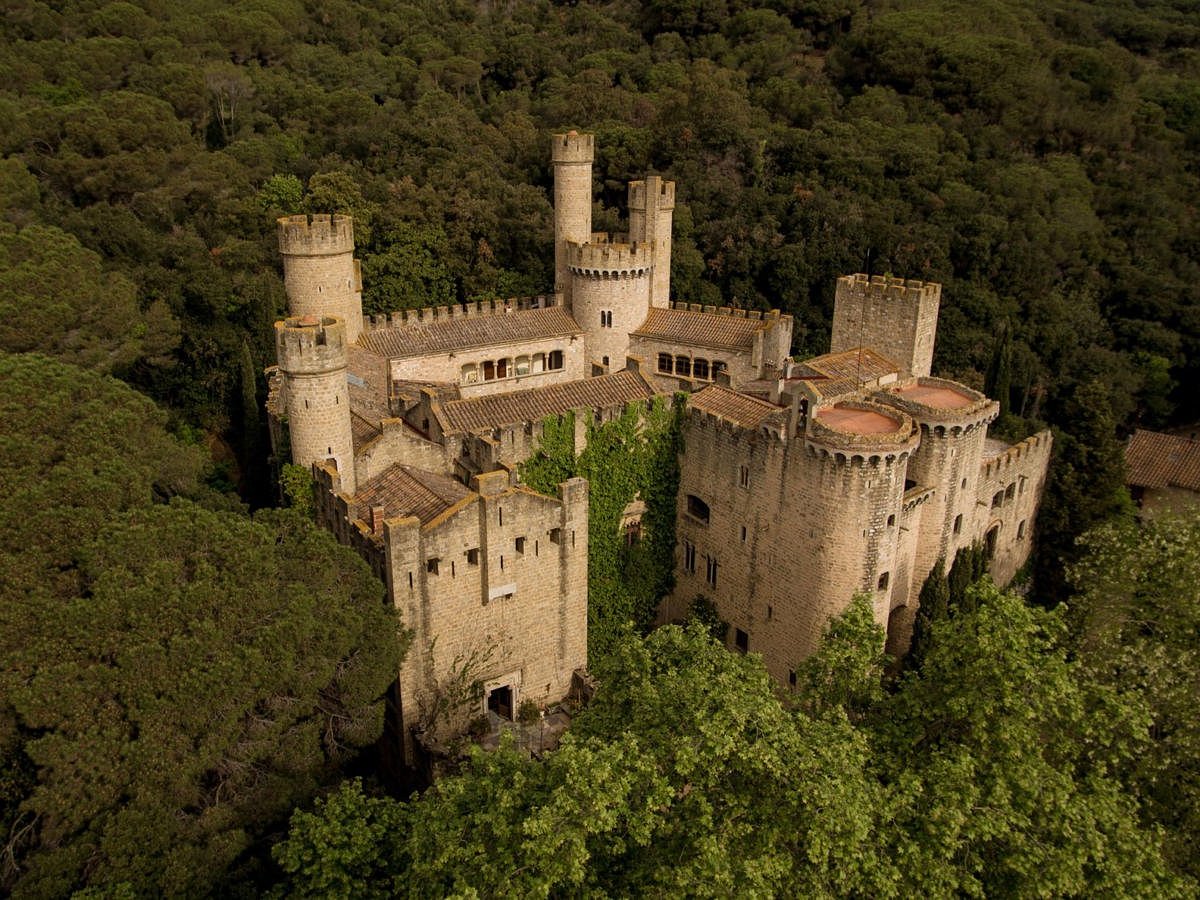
(936, 396)
(849, 420)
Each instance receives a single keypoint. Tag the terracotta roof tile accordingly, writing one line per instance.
(534, 404)
(700, 329)
(462, 333)
(835, 374)
(748, 412)
(405, 491)
(1163, 460)
(361, 430)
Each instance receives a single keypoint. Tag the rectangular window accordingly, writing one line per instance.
(744, 476)
(520, 544)
(741, 641)
(473, 556)
(958, 524)
(697, 508)
(1021, 530)
(743, 534)
(883, 580)
(1010, 491)
(665, 362)
(710, 570)
(689, 557)
(556, 535)
(431, 565)
(792, 678)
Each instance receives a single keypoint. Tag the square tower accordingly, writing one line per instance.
(891, 316)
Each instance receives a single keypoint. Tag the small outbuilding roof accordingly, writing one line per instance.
(407, 491)
(748, 412)
(1163, 460)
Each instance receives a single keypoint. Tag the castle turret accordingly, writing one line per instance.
(610, 294)
(953, 420)
(571, 155)
(892, 316)
(320, 272)
(651, 210)
(852, 493)
(312, 356)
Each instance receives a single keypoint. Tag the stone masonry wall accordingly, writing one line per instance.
(515, 616)
(447, 367)
(1007, 500)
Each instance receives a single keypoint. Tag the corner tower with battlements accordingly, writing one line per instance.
(892, 316)
(320, 273)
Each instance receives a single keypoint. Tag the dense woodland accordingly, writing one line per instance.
(161, 713)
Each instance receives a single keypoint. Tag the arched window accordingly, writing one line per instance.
(700, 368)
(718, 367)
(522, 365)
(489, 370)
(683, 365)
(555, 361)
(503, 367)
(697, 508)
(470, 373)
(539, 363)
(665, 362)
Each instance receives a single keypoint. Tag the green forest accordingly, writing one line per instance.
(164, 716)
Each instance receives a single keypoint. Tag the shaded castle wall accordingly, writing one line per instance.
(514, 617)
(1009, 493)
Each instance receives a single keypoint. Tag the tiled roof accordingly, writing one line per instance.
(700, 329)
(745, 411)
(362, 431)
(463, 333)
(841, 373)
(405, 491)
(534, 404)
(1163, 460)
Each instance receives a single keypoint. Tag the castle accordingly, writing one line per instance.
(802, 483)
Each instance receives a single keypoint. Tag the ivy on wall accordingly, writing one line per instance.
(633, 456)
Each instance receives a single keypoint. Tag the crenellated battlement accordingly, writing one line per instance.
(476, 309)
(311, 346)
(320, 235)
(609, 259)
(758, 314)
(883, 287)
(706, 419)
(1036, 446)
(573, 147)
(663, 198)
(940, 404)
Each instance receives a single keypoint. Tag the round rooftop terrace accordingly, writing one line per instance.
(857, 428)
(936, 400)
(856, 420)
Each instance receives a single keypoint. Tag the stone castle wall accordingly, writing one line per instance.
(516, 616)
(1009, 493)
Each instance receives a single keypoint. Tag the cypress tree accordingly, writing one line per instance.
(933, 605)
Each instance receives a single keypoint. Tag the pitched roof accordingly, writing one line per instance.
(406, 491)
(1163, 460)
(747, 412)
(463, 333)
(700, 329)
(841, 373)
(534, 404)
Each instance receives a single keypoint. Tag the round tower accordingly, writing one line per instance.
(571, 155)
(320, 272)
(857, 453)
(610, 295)
(953, 420)
(312, 356)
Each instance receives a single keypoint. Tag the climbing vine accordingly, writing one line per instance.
(635, 455)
